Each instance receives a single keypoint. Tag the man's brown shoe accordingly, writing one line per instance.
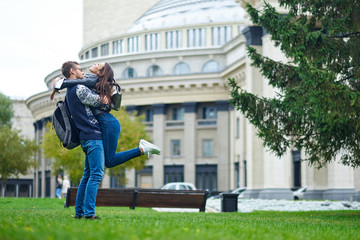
(94, 217)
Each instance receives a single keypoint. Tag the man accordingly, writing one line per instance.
(90, 140)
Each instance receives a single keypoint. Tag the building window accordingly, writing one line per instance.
(94, 52)
(24, 190)
(245, 173)
(118, 47)
(149, 115)
(196, 37)
(221, 35)
(118, 180)
(104, 49)
(175, 145)
(237, 172)
(134, 44)
(237, 127)
(39, 183)
(207, 115)
(178, 114)
(209, 112)
(211, 66)
(152, 42)
(173, 39)
(181, 69)
(10, 190)
(207, 147)
(87, 55)
(144, 177)
(206, 177)
(82, 57)
(296, 156)
(154, 71)
(173, 174)
(129, 73)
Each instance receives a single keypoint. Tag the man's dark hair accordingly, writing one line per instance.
(65, 69)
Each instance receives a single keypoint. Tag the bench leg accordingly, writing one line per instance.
(66, 205)
(202, 209)
(133, 204)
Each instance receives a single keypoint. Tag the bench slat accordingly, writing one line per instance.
(133, 197)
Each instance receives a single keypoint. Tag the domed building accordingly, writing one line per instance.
(173, 59)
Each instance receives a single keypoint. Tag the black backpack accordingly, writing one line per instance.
(64, 126)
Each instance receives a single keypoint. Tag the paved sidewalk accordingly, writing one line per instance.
(249, 205)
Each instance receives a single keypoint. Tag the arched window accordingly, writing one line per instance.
(129, 73)
(154, 71)
(211, 66)
(181, 68)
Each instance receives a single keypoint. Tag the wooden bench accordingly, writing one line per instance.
(140, 197)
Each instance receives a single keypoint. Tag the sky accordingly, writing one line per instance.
(36, 37)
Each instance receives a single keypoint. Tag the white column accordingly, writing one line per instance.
(233, 154)
(277, 176)
(223, 145)
(254, 154)
(340, 182)
(130, 177)
(189, 143)
(52, 186)
(158, 137)
(315, 180)
(43, 163)
(17, 190)
(105, 183)
(357, 179)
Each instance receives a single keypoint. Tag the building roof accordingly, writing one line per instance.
(172, 13)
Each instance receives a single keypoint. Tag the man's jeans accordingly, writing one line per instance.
(110, 128)
(93, 174)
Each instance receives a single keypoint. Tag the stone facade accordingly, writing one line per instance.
(204, 140)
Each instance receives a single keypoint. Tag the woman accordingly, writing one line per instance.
(103, 83)
(59, 184)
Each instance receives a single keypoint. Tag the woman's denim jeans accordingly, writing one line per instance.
(93, 174)
(110, 128)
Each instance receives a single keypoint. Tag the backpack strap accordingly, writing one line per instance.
(66, 116)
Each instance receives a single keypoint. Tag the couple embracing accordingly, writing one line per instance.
(89, 99)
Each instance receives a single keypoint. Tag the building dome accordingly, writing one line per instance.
(170, 13)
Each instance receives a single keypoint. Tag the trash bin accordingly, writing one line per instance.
(229, 202)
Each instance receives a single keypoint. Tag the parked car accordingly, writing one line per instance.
(179, 186)
(299, 194)
(239, 191)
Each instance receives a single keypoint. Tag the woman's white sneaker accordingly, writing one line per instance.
(149, 148)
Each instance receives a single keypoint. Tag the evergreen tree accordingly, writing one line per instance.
(317, 106)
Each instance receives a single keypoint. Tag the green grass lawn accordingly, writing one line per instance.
(27, 218)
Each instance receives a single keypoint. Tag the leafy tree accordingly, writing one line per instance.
(72, 161)
(17, 152)
(132, 130)
(6, 110)
(317, 105)
(16, 155)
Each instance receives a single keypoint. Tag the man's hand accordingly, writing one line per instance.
(55, 81)
(53, 87)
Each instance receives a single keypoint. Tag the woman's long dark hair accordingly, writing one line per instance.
(106, 81)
